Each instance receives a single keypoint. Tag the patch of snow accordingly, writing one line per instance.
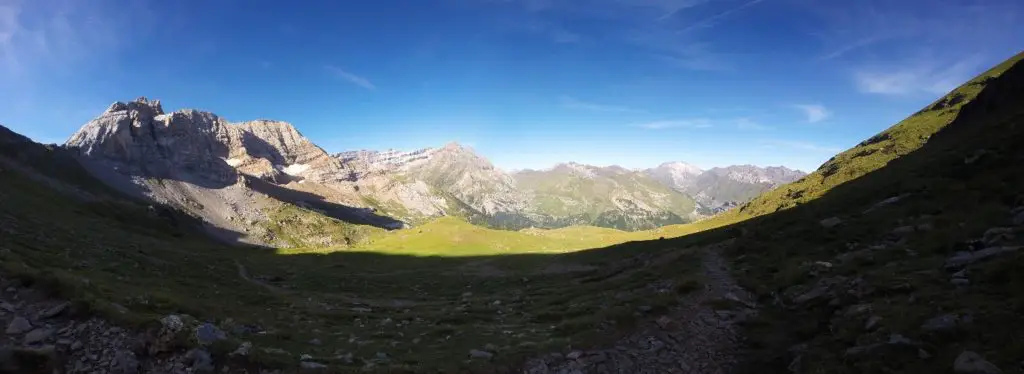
(295, 169)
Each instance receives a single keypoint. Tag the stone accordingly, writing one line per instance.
(972, 363)
(997, 235)
(310, 365)
(53, 311)
(831, 222)
(207, 334)
(1019, 218)
(243, 349)
(943, 323)
(38, 336)
(202, 362)
(903, 230)
(872, 323)
(964, 258)
(124, 363)
(897, 339)
(815, 293)
(923, 354)
(856, 310)
(172, 323)
(476, 353)
(119, 308)
(19, 325)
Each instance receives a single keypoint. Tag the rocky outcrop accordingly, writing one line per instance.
(191, 145)
(140, 139)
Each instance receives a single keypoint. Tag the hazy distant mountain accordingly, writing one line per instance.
(605, 196)
(718, 189)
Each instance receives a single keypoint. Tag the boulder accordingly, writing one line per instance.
(831, 222)
(476, 353)
(19, 325)
(964, 258)
(943, 323)
(972, 363)
(208, 333)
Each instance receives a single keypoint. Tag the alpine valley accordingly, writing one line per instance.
(258, 177)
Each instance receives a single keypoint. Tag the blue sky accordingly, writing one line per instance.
(527, 83)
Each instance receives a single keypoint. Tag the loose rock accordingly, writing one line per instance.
(207, 334)
(243, 349)
(310, 365)
(476, 353)
(972, 363)
(53, 311)
(943, 323)
(831, 222)
(19, 325)
(201, 360)
(38, 336)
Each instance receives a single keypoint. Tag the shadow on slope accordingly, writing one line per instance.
(318, 203)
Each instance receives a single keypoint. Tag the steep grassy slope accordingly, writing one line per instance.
(851, 261)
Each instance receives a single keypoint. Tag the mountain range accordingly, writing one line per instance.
(902, 254)
(231, 174)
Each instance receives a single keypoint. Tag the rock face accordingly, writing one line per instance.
(719, 189)
(140, 138)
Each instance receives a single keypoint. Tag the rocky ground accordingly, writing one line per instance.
(698, 336)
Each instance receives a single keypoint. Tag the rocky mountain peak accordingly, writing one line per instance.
(141, 104)
(278, 141)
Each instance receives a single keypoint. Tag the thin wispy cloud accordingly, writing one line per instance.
(553, 32)
(340, 73)
(61, 36)
(573, 103)
(660, 28)
(696, 123)
(922, 78)
(799, 145)
(895, 48)
(748, 124)
(713, 20)
(814, 113)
